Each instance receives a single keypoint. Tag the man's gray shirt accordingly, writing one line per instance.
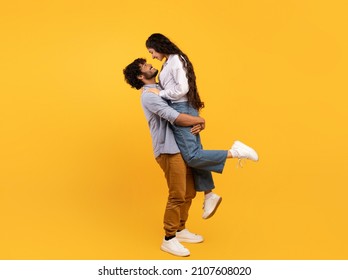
(159, 115)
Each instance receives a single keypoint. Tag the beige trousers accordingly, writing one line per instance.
(181, 192)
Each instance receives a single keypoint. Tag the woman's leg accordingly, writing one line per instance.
(191, 150)
(191, 147)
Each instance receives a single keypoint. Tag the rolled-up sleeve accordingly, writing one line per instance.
(159, 106)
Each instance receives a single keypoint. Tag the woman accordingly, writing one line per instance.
(178, 83)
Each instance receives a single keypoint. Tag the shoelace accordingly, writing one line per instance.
(240, 162)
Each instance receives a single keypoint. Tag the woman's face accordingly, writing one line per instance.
(156, 55)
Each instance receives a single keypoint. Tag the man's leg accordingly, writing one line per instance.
(183, 234)
(190, 194)
(174, 169)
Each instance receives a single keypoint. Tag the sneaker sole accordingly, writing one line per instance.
(189, 240)
(175, 254)
(216, 207)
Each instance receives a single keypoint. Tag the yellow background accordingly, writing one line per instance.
(78, 178)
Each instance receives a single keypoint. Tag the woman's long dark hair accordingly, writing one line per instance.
(162, 44)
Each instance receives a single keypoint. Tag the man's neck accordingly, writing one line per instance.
(150, 82)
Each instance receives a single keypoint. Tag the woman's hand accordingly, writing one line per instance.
(153, 90)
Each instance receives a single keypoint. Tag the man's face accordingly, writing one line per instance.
(156, 55)
(148, 71)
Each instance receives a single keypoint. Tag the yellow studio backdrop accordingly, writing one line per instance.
(78, 178)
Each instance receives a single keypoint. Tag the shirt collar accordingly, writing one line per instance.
(151, 86)
(168, 59)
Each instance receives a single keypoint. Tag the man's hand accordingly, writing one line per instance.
(197, 128)
(197, 123)
(153, 90)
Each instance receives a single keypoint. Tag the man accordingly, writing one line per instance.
(179, 177)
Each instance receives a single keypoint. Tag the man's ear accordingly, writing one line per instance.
(140, 77)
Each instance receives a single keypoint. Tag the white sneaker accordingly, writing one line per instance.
(240, 151)
(186, 236)
(174, 247)
(210, 205)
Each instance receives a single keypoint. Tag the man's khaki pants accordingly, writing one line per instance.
(181, 192)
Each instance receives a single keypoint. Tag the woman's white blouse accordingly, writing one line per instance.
(173, 80)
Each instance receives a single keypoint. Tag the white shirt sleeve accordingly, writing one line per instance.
(180, 85)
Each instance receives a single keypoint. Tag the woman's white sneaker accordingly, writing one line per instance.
(210, 205)
(174, 247)
(240, 150)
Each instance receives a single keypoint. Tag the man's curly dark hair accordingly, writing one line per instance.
(132, 71)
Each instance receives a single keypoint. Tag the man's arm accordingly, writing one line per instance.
(158, 106)
(188, 120)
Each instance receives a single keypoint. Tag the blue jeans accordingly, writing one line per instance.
(203, 162)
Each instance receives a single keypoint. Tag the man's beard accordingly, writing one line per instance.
(151, 75)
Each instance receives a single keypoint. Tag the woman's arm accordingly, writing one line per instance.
(179, 86)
